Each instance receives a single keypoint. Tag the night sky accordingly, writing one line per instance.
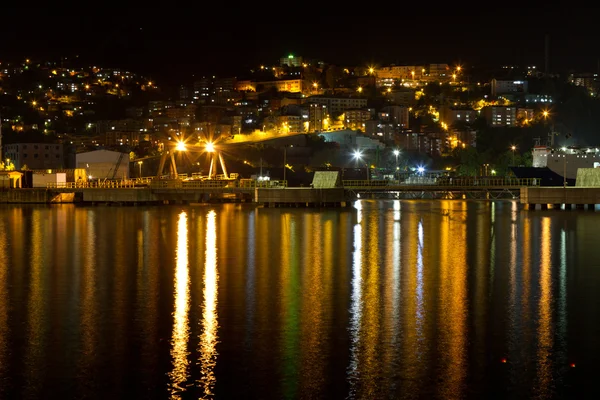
(174, 44)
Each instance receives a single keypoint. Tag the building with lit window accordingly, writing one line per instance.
(285, 85)
(397, 115)
(339, 104)
(291, 60)
(356, 119)
(317, 117)
(450, 115)
(498, 116)
(508, 86)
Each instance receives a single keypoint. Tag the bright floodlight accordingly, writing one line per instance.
(396, 152)
(421, 170)
(210, 147)
(180, 146)
(357, 154)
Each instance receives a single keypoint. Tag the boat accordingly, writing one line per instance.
(557, 166)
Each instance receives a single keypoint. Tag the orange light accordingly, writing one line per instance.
(504, 360)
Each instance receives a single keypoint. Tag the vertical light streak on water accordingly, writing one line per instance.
(514, 317)
(290, 286)
(311, 347)
(355, 309)
(89, 303)
(250, 281)
(4, 304)
(181, 330)
(210, 324)
(562, 301)
(37, 323)
(420, 313)
(545, 385)
(396, 280)
(372, 382)
(453, 302)
(492, 250)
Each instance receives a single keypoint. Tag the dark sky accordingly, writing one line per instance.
(177, 43)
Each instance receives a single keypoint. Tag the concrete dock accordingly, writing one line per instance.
(577, 197)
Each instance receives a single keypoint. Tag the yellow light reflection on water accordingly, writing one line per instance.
(208, 338)
(36, 304)
(181, 329)
(453, 305)
(4, 300)
(355, 308)
(545, 329)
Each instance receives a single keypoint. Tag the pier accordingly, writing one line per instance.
(326, 190)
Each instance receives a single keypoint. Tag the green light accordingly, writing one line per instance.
(291, 56)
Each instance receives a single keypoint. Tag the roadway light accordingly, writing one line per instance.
(210, 147)
(357, 154)
(180, 146)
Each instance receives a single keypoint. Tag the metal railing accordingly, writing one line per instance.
(446, 182)
(108, 184)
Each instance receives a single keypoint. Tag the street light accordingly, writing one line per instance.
(357, 157)
(513, 148)
(140, 165)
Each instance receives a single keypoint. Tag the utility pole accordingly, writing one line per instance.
(284, 160)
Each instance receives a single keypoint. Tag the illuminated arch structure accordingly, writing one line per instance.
(216, 157)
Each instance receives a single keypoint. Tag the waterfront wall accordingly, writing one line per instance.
(300, 196)
(588, 177)
(25, 196)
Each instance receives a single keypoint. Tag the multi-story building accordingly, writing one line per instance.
(290, 124)
(291, 60)
(317, 117)
(203, 88)
(158, 108)
(508, 86)
(438, 71)
(498, 116)
(285, 85)
(339, 104)
(121, 125)
(396, 114)
(187, 113)
(403, 97)
(212, 113)
(245, 86)
(449, 115)
(35, 155)
(381, 130)
(356, 119)
(184, 92)
(224, 85)
(128, 138)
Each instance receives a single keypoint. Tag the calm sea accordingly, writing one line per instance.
(386, 300)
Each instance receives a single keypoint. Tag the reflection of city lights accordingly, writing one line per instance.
(208, 339)
(181, 329)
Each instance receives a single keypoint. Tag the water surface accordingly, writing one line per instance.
(386, 300)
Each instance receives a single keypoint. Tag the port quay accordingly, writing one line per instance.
(326, 190)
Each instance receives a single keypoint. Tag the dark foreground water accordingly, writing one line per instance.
(388, 300)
